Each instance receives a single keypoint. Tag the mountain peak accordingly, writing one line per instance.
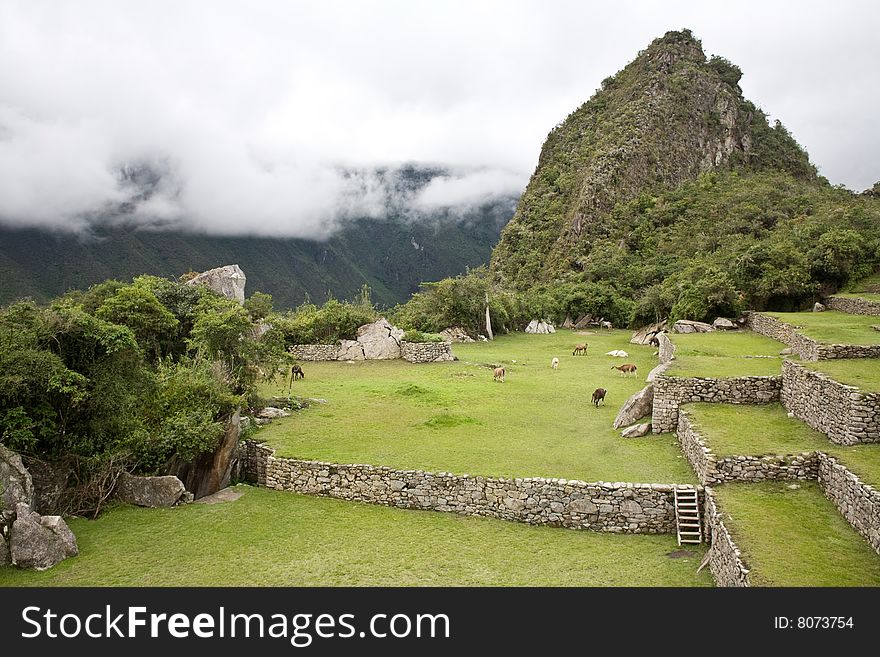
(668, 116)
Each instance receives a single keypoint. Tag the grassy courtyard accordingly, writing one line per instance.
(452, 417)
(269, 538)
(863, 373)
(759, 430)
(832, 327)
(725, 354)
(795, 536)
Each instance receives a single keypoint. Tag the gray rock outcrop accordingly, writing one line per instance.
(350, 350)
(540, 326)
(636, 407)
(818, 307)
(636, 430)
(150, 491)
(724, 324)
(690, 326)
(647, 333)
(456, 334)
(228, 281)
(40, 542)
(380, 340)
(16, 485)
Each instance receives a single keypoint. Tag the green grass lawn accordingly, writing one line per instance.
(725, 354)
(453, 417)
(795, 537)
(269, 538)
(863, 373)
(759, 430)
(832, 327)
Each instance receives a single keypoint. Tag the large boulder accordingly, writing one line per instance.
(380, 340)
(208, 473)
(50, 484)
(228, 281)
(16, 485)
(690, 326)
(456, 334)
(40, 542)
(636, 430)
(636, 407)
(350, 350)
(540, 326)
(647, 333)
(724, 324)
(150, 491)
(818, 307)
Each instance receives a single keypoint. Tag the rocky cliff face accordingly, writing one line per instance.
(670, 115)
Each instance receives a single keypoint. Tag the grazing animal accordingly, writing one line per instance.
(297, 372)
(554, 363)
(606, 325)
(599, 396)
(626, 368)
(498, 374)
(580, 349)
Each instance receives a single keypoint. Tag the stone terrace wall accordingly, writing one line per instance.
(414, 352)
(807, 348)
(667, 348)
(843, 413)
(315, 351)
(672, 391)
(857, 501)
(725, 559)
(713, 470)
(426, 352)
(853, 306)
(608, 507)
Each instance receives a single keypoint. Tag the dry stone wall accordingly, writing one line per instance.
(672, 391)
(315, 351)
(857, 501)
(711, 469)
(607, 507)
(807, 348)
(725, 559)
(414, 352)
(843, 413)
(426, 352)
(853, 305)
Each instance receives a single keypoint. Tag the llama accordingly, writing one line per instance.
(599, 396)
(626, 368)
(498, 374)
(554, 363)
(580, 349)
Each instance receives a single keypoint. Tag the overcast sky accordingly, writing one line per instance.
(252, 108)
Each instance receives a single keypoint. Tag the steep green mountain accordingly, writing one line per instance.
(392, 254)
(667, 117)
(669, 194)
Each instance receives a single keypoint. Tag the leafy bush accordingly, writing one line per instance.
(335, 320)
(417, 336)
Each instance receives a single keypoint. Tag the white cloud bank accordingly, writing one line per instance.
(258, 112)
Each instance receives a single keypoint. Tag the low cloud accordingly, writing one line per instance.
(286, 118)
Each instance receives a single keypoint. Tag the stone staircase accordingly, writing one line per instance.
(687, 516)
